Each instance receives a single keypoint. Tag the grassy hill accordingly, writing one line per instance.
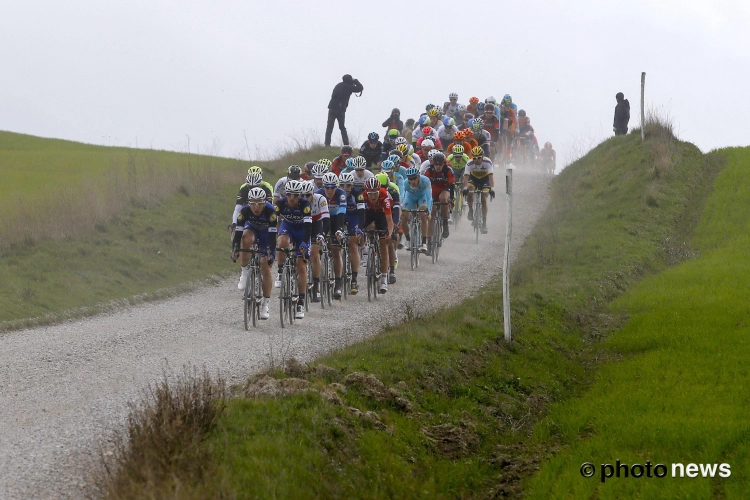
(82, 225)
(441, 407)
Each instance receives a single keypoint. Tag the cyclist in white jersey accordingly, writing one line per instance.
(320, 227)
(479, 176)
(294, 172)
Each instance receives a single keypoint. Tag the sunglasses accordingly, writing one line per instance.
(347, 184)
(257, 203)
(413, 178)
(331, 186)
(293, 195)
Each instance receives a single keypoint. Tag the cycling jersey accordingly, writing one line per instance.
(242, 197)
(446, 133)
(338, 164)
(492, 126)
(436, 140)
(372, 155)
(279, 190)
(383, 204)
(296, 222)
(458, 162)
(336, 203)
(359, 182)
(512, 120)
(263, 226)
(453, 110)
(413, 197)
(319, 206)
(355, 211)
(441, 181)
(479, 171)
(547, 155)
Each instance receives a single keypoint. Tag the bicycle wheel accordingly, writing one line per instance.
(284, 297)
(477, 216)
(253, 295)
(246, 306)
(294, 294)
(346, 276)
(437, 238)
(323, 286)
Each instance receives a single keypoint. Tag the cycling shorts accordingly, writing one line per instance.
(352, 223)
(296, 235)
(379, 218)
(476, 183)
(409, 203)
(261, 239)
(317, 227)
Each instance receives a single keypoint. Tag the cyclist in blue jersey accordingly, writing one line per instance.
(417, 195)
(295, 227)
(256, 225)
(355, 218)
(337, 208)
(394, 171)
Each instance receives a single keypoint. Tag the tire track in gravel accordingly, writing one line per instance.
(63, 388)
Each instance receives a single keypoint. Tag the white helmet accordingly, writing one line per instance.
(452, 95)
(256, 193)
(400, 140)
(254, 179)
(490, 100)
(329, 178)
(308, 187)
(293, 186)
(432, 153)
(427, 143)
(346, 178)
(360, 163)
(319, 170)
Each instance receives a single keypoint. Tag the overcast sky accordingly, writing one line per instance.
(158, 72)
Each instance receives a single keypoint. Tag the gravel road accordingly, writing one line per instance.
(64, 388)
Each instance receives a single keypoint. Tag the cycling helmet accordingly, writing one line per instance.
(256, 193)
(427, 130)
(400, 140)
(308, 187)
(433, 112)
(360, 163)
(461, 108)
(489, 108)
(372, 184)
(347, 150)
(422, 119)
(373, 136)
(393, 132)
(431, 153)
(468, 116)
(490, 100)
(438, 157)
(521, 112)
(308, 167)
(254, 179)
(474, 100)
(508, 98)
(387, 165)
(458, 149)
(255, 168)
(346, 178)
(412, 171)
(319, 170)
(394, 158)
(480, 107)
(478, 124)
(477, 151)
(293, 186)
(452, 95)
(383, 179)
(448, 122)
(427, 143)
(459, 136)
(326, 162)
(548, 145)
(330, 180)
(350, 163)
(293, 172)
(398, 154)
(429, 107)
(403, 148)
(470, 123)
(468, 133)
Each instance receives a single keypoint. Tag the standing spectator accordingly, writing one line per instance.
(338, 104)
(394, 121)
(622, 115)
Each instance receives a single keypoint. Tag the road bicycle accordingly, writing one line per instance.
(458, 206)
(346, 266)
(288, 293)
(415, 236)
(327, 279)
(373, 263)
(437, 229)
(478, 221)
(253, 295)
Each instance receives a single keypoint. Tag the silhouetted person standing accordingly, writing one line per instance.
(337, 107)
(622, 115)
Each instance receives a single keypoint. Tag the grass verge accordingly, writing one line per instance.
(440, 406)
(679, 393)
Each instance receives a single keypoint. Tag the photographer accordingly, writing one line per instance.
(338, 104)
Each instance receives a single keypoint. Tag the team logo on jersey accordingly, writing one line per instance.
(306, 210)
(239, 217)
(272, 219)
(323, 203)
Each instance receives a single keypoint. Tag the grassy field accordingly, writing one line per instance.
(441, 407)
(680, 392)
(84, 225)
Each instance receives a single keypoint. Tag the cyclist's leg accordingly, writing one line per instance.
(315, 260)
(338, 264)
(426, 219)
(484, 207)
(445, 197)
(248, 240)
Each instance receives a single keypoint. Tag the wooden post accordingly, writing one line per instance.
(643, 113)
(506, 264)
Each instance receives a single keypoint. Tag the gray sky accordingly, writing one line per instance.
(159, 71)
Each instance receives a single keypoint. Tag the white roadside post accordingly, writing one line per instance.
(643, 114)
(506, 264)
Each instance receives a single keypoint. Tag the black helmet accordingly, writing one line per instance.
(309, 166)
(521, 113)
(438, 158)
(347, 150)
(293, 172)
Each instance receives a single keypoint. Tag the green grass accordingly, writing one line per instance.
(680, 393)
(457, 409)
(147, 225)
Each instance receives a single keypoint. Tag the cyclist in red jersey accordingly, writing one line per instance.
(491, 122)
(379, 213)
(442, 179)
(339, 163)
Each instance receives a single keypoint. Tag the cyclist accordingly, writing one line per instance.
(459, 139)
(446, 131)
(442, 181)
(493, 101)
(379, 213)
(427, 146)
(257, 219)
(417, 133)
(434, 115)
(337, 208)
(389, 142)
(292, 173)
(469, 139)
(509, 122)
(452, 108)
(318, 171)
(307, 171)
(425, 164)
(294, 226)
(430, 133)
(371, 150)
(338, 163)
(358, 169)
(472, 106)
(479, 176)
(394, 172)
(395, 194)
(548, 158)
(253, 179)
(457, 161)
(417, 195)
(321, 226)
(481, 136)
(508, 103)
(526, 130)
(355, 217)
